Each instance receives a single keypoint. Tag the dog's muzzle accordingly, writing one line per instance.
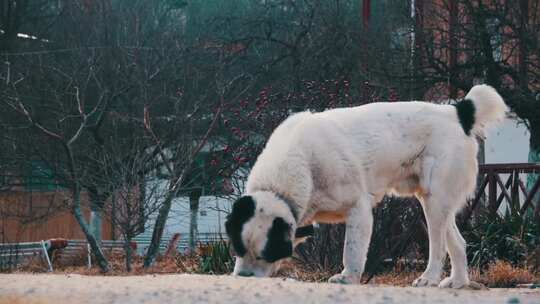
(246, 273)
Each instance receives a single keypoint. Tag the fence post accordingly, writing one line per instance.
(515, 190)
(89, 256)
(492, 192)
(46, 254)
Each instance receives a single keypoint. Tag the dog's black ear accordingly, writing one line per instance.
(242, 210)
(304, 231)
(278, 245)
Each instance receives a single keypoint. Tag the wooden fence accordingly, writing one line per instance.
(505, 183)
(31, 216)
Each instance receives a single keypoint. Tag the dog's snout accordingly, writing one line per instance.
(245, 273)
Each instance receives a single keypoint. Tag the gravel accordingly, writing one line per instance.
(184, 288)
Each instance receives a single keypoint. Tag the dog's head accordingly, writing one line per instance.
(261, 229)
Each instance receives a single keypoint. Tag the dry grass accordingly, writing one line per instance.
(497, 275)
(306, 273)
(500, 274)
(162, 265)
(395, 278)
(503, 274)
(302, 272)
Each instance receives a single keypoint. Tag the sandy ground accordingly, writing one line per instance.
(58, 289)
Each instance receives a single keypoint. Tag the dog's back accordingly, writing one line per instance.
(379, 147)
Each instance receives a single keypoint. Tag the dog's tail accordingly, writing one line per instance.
(481, 107)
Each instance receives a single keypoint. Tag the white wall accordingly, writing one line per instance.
(212, 213)
(507, 143)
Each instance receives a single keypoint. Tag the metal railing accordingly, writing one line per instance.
(183, 243)
(13, 254)
(81, 248)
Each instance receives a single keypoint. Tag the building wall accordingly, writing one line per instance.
(507, 143)
(211, 216)
(34, 216)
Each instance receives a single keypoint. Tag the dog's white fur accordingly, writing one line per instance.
(337, 165)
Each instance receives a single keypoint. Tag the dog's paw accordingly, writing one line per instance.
(423, 282)
(344, 279)
(476, 286)
(450, 282)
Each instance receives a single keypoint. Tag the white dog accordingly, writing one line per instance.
(335, 166)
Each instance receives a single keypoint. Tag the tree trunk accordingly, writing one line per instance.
(96, 223)
(194, 197)
(481, 158)
(97, 202)
(94, 245)
(129, 253)
(141, 217)
(159, 226)
(534, 157)
(113, 217)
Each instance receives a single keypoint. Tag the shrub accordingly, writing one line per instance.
(324, 250)
(215, 258)
(512, 238)
(399, 237)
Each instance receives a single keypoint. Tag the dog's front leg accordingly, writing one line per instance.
(357, 237)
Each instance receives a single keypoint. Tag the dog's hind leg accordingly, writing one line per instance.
(357, 237)
(458, 258)
(436, 218)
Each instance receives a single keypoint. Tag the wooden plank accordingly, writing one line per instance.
(503, 189)
(523, 188)
(509, 168)
(529, 198)
(514, 192)
(20, 254)
(492, 192)
(22, 246)
(501, 196)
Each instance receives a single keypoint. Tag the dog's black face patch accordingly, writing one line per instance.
(465, 111)
(278, 245)
(242, 210)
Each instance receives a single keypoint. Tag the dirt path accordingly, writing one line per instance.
(45, 289)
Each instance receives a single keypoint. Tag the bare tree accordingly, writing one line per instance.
(87, 89)
(70, 175)
(137, 195)
(462, 42)
(495, 41)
